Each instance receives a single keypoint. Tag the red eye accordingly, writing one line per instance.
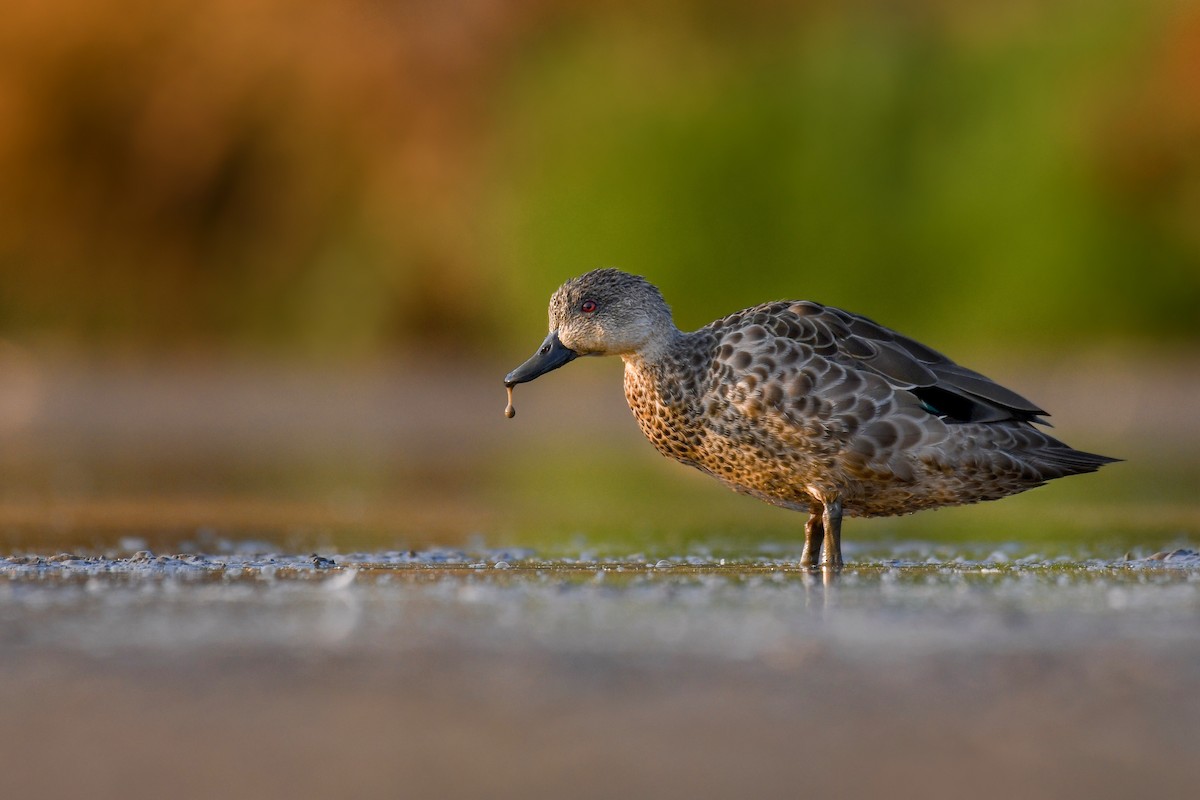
(588, 306)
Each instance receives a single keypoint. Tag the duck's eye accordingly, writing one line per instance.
(588, 306)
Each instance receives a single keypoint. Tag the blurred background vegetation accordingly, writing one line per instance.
(358, 177)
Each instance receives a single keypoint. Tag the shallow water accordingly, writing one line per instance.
(720, 608)
(453, 672)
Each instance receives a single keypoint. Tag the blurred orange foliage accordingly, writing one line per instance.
(162, 158)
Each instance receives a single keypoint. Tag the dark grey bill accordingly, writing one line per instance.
(551, 355)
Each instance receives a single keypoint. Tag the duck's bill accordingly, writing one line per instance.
(550, 356)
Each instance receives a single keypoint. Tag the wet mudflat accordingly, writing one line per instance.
(498, 673)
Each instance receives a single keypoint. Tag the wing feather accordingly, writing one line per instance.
(829, 335)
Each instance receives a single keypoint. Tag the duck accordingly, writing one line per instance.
(806, 406)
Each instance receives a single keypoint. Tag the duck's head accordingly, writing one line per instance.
(603, 313)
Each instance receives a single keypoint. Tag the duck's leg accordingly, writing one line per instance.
(814, 534)
(831, 521)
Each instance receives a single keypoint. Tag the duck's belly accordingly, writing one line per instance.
(803, 477)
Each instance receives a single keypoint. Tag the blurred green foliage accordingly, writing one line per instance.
(351, 177)
(959, 171)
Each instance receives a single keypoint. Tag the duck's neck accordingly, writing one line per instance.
(657, 350)
(660, 386)
(661, 369)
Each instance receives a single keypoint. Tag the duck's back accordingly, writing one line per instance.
(796, 402)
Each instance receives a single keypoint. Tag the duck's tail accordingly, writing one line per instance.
(1056, 460)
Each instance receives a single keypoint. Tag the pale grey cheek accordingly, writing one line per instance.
(574, 338)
